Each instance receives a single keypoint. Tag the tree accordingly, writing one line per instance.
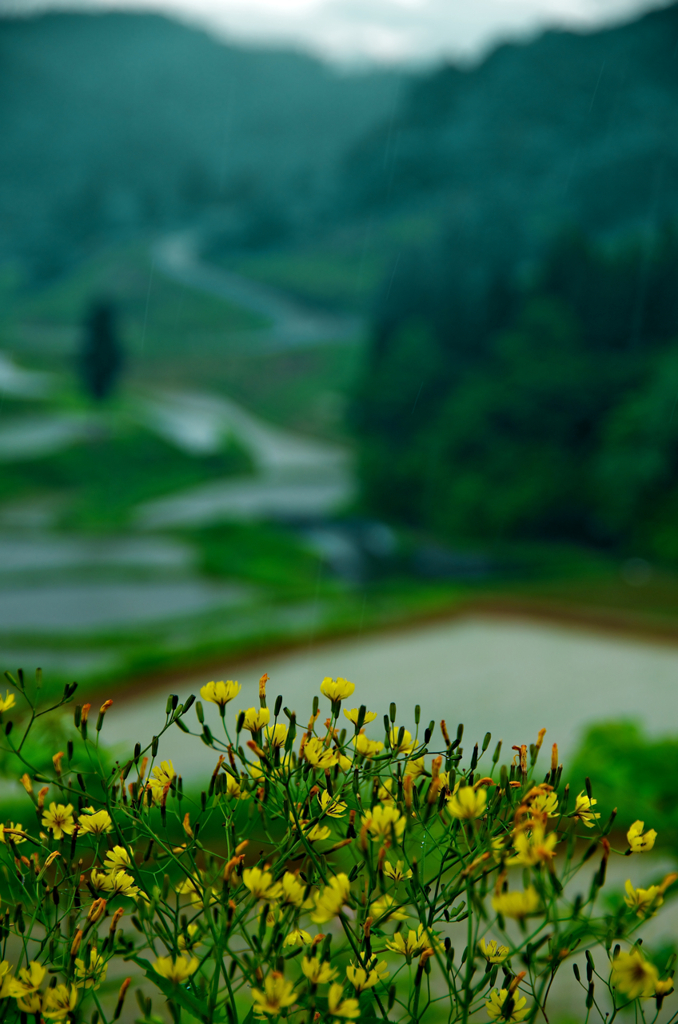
(101, 357)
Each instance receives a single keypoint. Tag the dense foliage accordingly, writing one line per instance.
(493, 409)
(321, 875)
(633, 772)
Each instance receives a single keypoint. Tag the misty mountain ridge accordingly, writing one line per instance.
(113, 120)
(134, 122)
(569, 130)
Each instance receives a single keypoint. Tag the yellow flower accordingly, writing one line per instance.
(191, 939)
(405, 745)
(336, 689)
(504, 1006)
(415, 943)
(12, 829)
(332, 805)
(161, 780)
(95, 824)
(280, 770)
(493, 953)
(277, 995)
(583, 812)
(291, 890)
(220, 693)
(255, 719)
(545, 804)
(98, 878)
(30, 1003)
(58, 1002)
(633, 975)
(117, 859)
(368, 748)
(340, 1007)
(118, 883)
(329, 902)
(396, 873)
(317, 754)
(467, 803)
(176, 971)
(298, 937)
(196, 893)
(317, 972)
(352, 716)
(385, 792)
(646, 902)
(415, 767)
(233, 789)
(260, 883)
(663, 988)
(639, 842)
(383, 822)
(362, 979)
(7, 702)
(6, 979)
(317, 833)
(498, 844)
(92, 974)
(59, 818)
(381, 910)
(275, 735)
(29, 980)
(533, 848)
(516, 904)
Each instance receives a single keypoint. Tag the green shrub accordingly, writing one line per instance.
(633, 773)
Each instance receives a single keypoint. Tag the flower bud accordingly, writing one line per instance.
(75, 945)
(262, 690)
(96, 911)
(115, 919)
(121, 997)
(102, 711)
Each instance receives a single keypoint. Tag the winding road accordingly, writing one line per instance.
(296, 477)
(292, 323)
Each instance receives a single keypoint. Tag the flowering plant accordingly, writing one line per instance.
(321, 875)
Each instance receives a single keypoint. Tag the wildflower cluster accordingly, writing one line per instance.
(322, 875)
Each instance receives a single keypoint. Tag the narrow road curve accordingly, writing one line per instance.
(292, 324)
(296, 477)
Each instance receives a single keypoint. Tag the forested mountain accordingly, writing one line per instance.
(130, 120)
(521, 377)
(566, 129)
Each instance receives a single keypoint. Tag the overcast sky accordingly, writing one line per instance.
(383, 30)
